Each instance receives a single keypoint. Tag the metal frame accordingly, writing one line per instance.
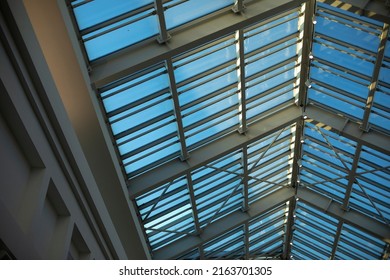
(139, 57)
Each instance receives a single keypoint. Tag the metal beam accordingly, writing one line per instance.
(373, 9)
(241, 80)
(244, 162)
(193, 203)
(164, 35)
(336, 240)
(338, 124)
(289, 229)
(224, 224)
(375, 76)
(142, 56)
(351, 217)
(208, 153)
(307, 36)
(176, 106)
(352, 176)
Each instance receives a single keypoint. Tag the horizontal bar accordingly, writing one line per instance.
(351, 217)
(224, 225)
(126, 63)
(338, 124)
(206, 154)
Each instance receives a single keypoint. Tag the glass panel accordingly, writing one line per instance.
(266, 233)
(120, 34)
(99, 11)
(270, 163)
(357, 245)
(166, 213)
(344, 49)
(270, 64)
(179, 12)
(218, 188)
(207, 84)
(228, 246)
(326, 161)
(140, 113)
(314, 233)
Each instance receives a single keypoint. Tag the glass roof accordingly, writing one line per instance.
(203, 128)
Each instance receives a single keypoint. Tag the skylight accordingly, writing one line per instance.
(219, 138)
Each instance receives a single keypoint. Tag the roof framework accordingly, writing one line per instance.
(248, 129)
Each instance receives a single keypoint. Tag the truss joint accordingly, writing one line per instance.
(164, 40)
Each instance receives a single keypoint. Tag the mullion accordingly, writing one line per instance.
(338, 94)
(360, 249)
(220, 98)
(264, 169)
(268, 224)
(268, 234)
(222, 237)
(249, 61)
(178, 65)
(169, 194)
(271, 91)
(310, 234)
(305, 253)
(150, 152)
(274, 44)
(253, 156)
(320, 159)
(354, 232)
(227, 113)
(152, 165)
(335, 149)
(168, 211)
(156, 163)
(137, 103)
(340, 75)
(209, 96)
(372, 184)
(347, 18)
(255, 252)
(324, 185)
(149, 145)
(127, 21)
(318, 252)
(271, 69)
(212, 74)
(215, 188)
(327, 222)
(286, 14)
(348, 71)
(147, 131)
(230, 243)
(192, 52)
(334, 46)
(143, 125)
(171, 223)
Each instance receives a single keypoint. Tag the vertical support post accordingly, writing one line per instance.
(289, 229)
(164, 35)
(336, 240)
(244, 162)
(241, 80)
(193, 204)
(351, 176)
(175, 99)
(374, 77)
(238, 6)
(305, 36)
